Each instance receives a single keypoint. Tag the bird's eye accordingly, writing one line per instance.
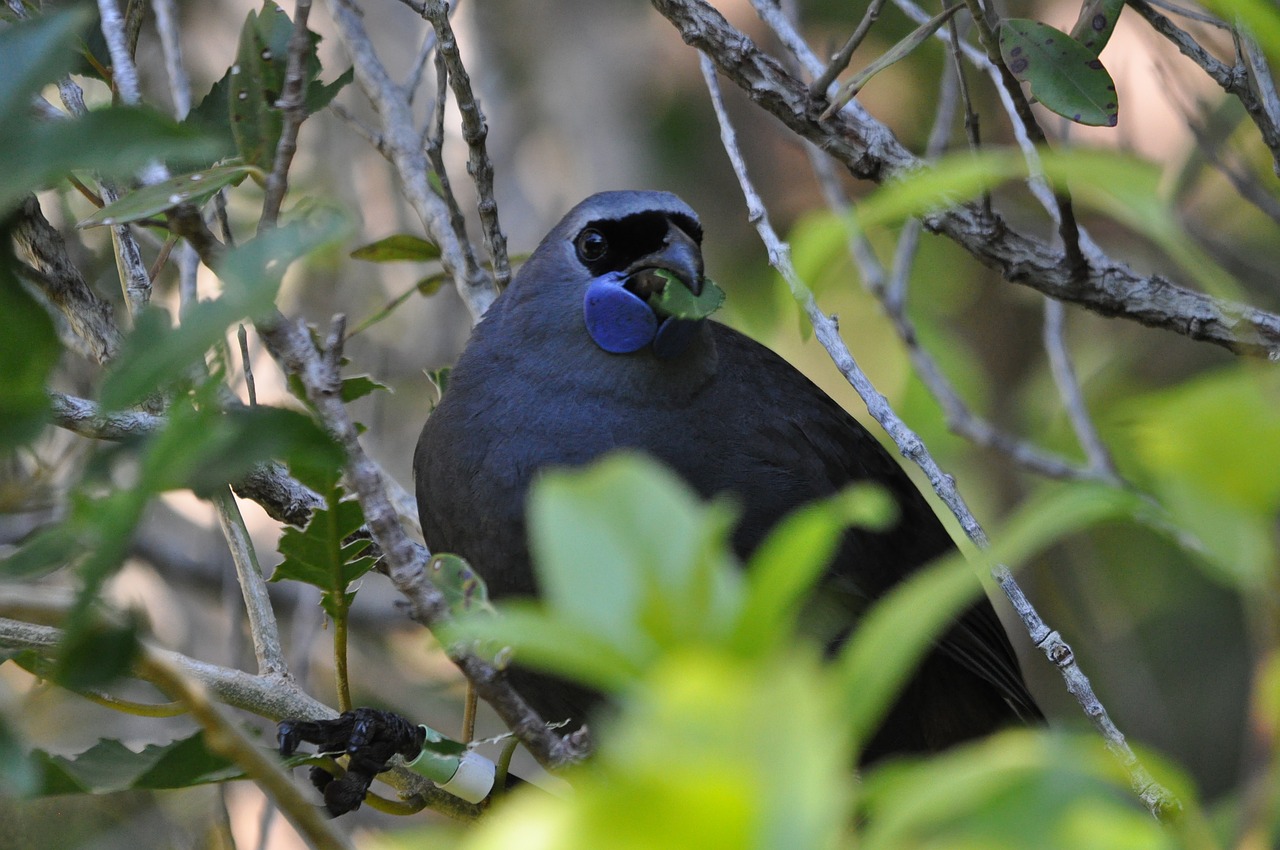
(591, 245)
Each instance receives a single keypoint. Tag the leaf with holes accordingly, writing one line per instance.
(155, 199)
(1064, 75)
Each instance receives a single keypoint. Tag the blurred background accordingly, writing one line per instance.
(585, 95)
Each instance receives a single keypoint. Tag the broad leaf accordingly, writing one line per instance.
(1096, 22)
(1065, 76)
(109, 766)
(397, 247)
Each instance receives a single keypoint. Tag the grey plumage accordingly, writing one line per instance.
(533, 389)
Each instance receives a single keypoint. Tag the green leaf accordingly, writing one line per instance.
(256, 84)
(319, 95)
(462, 587)
(359, 386)
(626, 550)
(152, 200)
(400, 246)
(114, 141)
(212, 116)
(676, 300)
(318, 554)
(1096, 22)
(32, 53)
(156, 355)
(1065, 76)
(109, 766)
(29, 350)
(204, 449)
(898, 630)
(96, 653)
(784, 568)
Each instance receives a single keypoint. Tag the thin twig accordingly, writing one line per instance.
(171, 47)
(405, 148)
(434, 146)
(250, 385)
(1064, 376)
(257, 604)
(868, 150)
(474, 132)
(842, 58)
(293, 111)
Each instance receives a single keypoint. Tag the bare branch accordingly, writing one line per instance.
(868, 150)
(404, 146)
(1064, 375)
(262, 617)
(842, 58)
(89, 317)
(293, 112)
(474, 132)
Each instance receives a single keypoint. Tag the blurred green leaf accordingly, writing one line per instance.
(462, 587)
(114, 141)
(1019, 789)
(155, 199)
(95, 653)
(722, 754)
(1065, 76)
(1209, 448)
(33, 53)
(359, 386)
(109, 766)
(397, 247)
(784, 568)
(19, 773)
(155, 355)
(627, 551)
(29, 350)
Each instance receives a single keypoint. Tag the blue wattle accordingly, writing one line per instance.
(618, 321)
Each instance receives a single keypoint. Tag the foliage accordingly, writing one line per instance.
(731, 728)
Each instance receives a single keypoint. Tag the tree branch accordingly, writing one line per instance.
(869, 151)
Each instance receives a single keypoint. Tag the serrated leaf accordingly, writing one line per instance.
(1096, 22)
(359, 386)
(678, 301)
(317, 555)
(152, 200)
(1065, 76)
(397, 247)
(109, 766)
(256, 83)
(95, 654)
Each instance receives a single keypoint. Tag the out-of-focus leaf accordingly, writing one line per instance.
(95, 654)
(750, 756)
(109, 766)
(784, 568)
(114, 141)
(399, 246)
(156, 355)
(1096, 22)
(1188, 440)
(19, 773)
(32, 53)
(29, 350)
(205, 449)
(626, 550)
(1065, 76)
(1021, 789)
(319, 95)
(154, 199)
(45, 551)
(462, 587)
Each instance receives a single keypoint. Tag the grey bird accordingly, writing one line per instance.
(578, 357)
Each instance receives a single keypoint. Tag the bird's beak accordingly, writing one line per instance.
(679, 255)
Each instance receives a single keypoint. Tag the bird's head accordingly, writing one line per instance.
(632, 263)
